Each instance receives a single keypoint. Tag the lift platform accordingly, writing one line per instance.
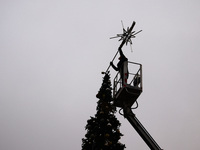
(128, 94)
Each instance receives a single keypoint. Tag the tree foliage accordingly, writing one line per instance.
(103, 129)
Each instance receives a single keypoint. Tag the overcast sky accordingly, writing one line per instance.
(52, 53)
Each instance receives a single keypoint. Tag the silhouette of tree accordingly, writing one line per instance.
(103, 130)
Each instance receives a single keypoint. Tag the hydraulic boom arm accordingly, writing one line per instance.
(140, 129)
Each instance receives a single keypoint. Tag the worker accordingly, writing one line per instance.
(122, 67)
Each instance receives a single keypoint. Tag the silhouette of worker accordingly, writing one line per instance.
(122, 67)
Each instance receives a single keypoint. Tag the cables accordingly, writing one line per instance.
(131, 108)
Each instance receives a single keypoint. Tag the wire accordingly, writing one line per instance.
(120, 112)
(131, 108)
(136, 105)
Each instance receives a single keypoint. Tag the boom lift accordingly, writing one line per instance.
(125, 96)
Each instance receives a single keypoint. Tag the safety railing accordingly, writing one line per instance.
(134, 80)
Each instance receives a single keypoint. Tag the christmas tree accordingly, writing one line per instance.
(103, 130)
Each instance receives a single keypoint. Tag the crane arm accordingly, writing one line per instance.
(130, 116)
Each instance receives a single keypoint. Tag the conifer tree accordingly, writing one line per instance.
(103, 130)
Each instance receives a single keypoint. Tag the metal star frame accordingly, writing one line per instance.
(126, 35)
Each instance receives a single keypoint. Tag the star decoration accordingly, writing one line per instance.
(126, 35)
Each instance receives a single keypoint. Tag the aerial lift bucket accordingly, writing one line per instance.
(127, 94)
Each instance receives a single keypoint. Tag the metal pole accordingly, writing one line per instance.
(123, 42)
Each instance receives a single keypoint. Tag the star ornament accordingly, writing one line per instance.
(127, 35)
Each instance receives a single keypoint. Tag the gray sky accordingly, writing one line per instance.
(52, 54)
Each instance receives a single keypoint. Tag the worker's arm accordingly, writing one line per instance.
(114, 67)
(121, 54)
